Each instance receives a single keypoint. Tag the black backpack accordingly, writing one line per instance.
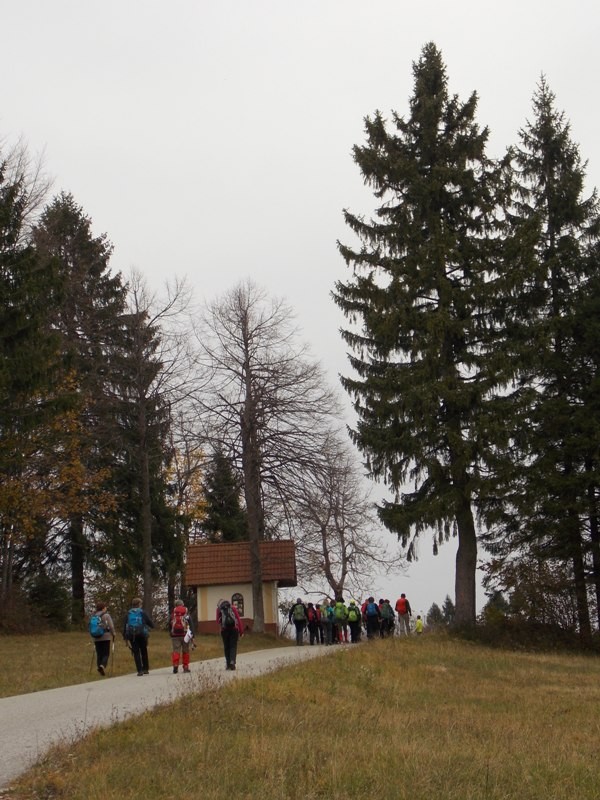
(228, 620)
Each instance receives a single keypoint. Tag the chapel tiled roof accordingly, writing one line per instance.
(229, 562)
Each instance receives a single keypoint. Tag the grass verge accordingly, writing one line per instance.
(422, 719)
(31, 663)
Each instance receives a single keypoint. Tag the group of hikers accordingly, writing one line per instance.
(334, 622)
(136, 630)
(329, 622)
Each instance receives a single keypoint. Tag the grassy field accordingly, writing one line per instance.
(47, 661)
(425, 719)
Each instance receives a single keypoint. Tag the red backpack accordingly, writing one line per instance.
(179, 623)
(401, 605)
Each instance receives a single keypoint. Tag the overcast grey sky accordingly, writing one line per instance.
(213, 140)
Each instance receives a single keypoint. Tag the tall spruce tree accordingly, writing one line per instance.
(554, 493)
(424, 292)
(29, 287)
(86, 322)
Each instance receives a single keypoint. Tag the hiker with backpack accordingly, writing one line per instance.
(182, 634)
(327, 621)
(404, 612)
(102, 631)
(387, 619)
(299, 616)
(372, 617)
(320, 626)
(230, 623)
(313, 624)
(340, 617)
(136, 630)
(354, 622)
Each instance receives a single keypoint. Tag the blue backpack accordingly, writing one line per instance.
(95, 627)
(372, 610)
(135, 624)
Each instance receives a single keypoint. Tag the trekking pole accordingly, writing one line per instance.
(129, 646)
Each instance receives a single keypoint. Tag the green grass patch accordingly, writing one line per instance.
(392, 720)
(31, 663)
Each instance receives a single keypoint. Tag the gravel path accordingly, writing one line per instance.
(31, 723)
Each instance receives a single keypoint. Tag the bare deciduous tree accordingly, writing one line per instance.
(336, 536)
(267, 403)
(19, 167)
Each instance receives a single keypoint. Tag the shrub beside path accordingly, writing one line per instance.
(33, 723)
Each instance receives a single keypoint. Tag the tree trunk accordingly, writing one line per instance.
(77, 546)
(583, 611)
(145, 514)
(595, 540)
(254, 512)
(6, 564)
(250, 466)
(466, 564)
(171, 593)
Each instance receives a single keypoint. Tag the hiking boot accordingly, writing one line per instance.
(146, 672)
(186, 669)
(175, 670)
(232, 666)
(101, 670)
(140, 674)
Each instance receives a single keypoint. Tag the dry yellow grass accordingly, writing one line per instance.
(427, 719)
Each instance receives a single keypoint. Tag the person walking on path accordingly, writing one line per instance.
(327, 621)
(232, 629)
(387, 619)
(354, 622)
(136, 630)
(320, 623)
(372, 616)
(101, 622)
(299, 616)
(182, 634)
(313, 624)
(340, 616)
(404, 612)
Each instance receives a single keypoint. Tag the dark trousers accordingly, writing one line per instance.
(139, 648)
(354, 631)
(372, 625)
(230, 642)
(102, 652)
(300, 625)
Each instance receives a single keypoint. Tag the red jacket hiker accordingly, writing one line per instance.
(404, 612)
(181, 636)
